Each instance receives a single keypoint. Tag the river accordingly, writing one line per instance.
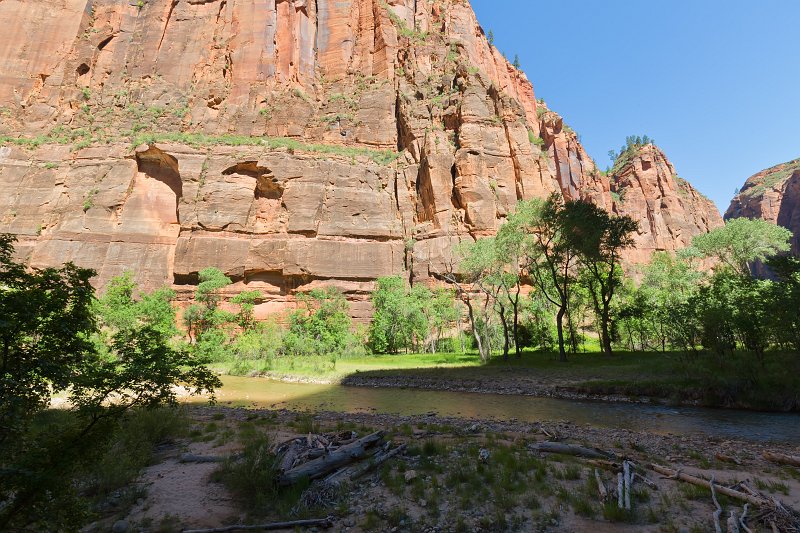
(659, 419)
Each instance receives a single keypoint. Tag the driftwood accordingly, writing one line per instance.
(646, 481)
(317, 522)
(601, 487)
(782, 458)
(743, 519)
(733, 523)
(718, 511)
(727, 458)
(570, 449)
(290, 457)
(333, 461)
(358, 470)
(626, 472)
(677, 474)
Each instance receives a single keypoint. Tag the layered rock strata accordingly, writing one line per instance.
(291, 143)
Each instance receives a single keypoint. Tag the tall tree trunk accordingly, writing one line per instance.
(505, 332)
(515, 303)
(604, 320)
(562, 352)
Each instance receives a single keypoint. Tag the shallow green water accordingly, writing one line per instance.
(258, 392)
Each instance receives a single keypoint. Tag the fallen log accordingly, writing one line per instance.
(570, 449)
(700, 482)
(315, 522)
(333, 461)
(781, 458)
(358, 470)
(289, 457)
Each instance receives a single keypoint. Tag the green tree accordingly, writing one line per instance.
(398, 316)
(599, 238)
(741, 242)
(46, 326)
(246, 300)
(668, 282)
(550, 256)
(784, 317)
(321, 326)
(469, 278)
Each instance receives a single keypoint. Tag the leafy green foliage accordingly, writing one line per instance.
(409, 317)
(48, 332)
(741, 242)
(322, 326)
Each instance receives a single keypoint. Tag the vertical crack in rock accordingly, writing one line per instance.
(166, 25)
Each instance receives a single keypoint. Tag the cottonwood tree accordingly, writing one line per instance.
(467, 275)
(549, 255)
(598, 237)
(509, 251)
(741, 242)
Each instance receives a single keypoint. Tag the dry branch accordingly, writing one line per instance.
(570, 449)
(718, 511)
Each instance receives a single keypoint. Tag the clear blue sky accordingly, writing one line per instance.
(715, 82)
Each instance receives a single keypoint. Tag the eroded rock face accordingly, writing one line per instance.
(346, 81)
(669, 210)
(773, 195)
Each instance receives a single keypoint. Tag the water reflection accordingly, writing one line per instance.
(255, 392)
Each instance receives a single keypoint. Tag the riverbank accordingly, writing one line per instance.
(669, 378)
(441, 484)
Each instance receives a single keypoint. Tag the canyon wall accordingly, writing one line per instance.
(291, 143)
(773, 195)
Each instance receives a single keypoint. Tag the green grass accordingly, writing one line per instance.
(739, 381)
(322, 368)
(84, 139)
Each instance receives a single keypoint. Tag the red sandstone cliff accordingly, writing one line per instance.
(345, 80)
(774, 195)
(669, 210)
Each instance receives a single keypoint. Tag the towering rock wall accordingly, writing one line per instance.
(773, 195)
(669, 210)
(291, 143)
